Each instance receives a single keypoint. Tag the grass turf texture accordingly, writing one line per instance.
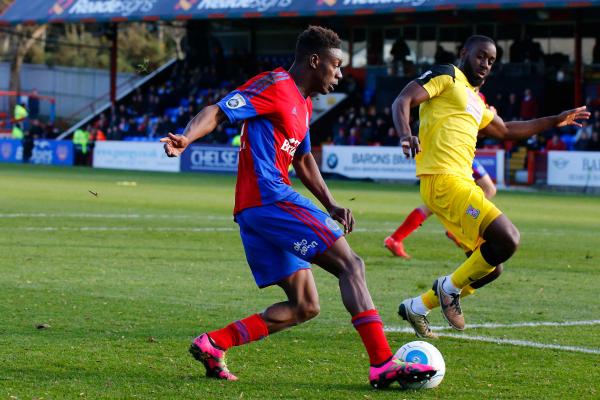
(127, 278)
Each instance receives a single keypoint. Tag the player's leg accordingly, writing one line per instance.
(483, 180)
(464, 211)
(414, 220)
(501, 241)
(262, 233)
(487, 185)
(342, 262)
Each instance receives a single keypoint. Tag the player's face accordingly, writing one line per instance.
(329, 71)
(478, 61)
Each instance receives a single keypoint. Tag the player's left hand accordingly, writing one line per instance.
(570, 117)
(343, 216)
(174, 144)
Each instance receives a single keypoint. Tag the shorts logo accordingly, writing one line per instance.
(303, 246)
(331, 224)
(236, 101)
(473, 212)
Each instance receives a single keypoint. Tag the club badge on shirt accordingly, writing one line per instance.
(236, 101)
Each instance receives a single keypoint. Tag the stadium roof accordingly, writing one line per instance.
(82, 11)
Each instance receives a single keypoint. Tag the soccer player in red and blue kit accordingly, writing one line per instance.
(282, 231)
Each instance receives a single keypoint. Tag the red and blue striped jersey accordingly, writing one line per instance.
(276, 118)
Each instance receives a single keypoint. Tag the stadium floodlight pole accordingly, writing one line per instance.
(113, 63)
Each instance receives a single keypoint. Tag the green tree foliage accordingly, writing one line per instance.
(140, 47)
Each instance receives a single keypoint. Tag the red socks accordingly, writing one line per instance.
(412, 222)
(370, 328)
(240, 332)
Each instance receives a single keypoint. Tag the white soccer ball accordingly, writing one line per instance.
(423, 353)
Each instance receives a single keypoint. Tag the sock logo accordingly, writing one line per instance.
(473, 212)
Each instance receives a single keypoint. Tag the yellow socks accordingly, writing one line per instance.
(473, 269)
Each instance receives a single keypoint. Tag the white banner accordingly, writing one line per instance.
(368, 162)
(142, 156)
(574, 168)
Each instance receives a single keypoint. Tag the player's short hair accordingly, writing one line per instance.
(315, 39)
(473, 40)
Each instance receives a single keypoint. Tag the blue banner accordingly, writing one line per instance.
(489, 160)
(47, 152)
(42, 11)
(198, 158)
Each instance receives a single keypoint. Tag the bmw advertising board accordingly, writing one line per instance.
(368, 162)
(574, 168)
(198, 158)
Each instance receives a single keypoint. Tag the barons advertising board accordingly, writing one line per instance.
(574, 168)
(46, 152)
(200, 158)
(369, 162)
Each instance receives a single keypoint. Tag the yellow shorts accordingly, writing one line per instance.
(461, 206)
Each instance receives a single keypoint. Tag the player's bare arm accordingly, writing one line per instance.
(515, 130)
(411, 96)
(201, 125)
(307, 170)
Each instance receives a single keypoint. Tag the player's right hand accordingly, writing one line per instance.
(174, 144)
(410, 146)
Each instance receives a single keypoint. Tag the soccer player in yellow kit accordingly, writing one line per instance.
(452, 115)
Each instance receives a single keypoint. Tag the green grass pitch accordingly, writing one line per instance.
(126, 278)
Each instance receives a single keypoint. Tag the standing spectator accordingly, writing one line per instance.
(81, 139)
(556, 143)
(529, 106)
(33, 104)
(399, 52)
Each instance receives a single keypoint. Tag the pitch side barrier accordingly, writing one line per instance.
(150, 156)
(44, 152)
(574, 168)
(389, 163)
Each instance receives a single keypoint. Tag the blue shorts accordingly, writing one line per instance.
(283, 237)
(478, 170)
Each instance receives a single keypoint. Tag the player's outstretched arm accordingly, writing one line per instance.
(201, 125)
(307, 170)
(515, 130)
(412, 95)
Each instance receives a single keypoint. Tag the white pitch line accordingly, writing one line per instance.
(117, 229)
(514, 342)
(523, 343)
(112, 216)
(494, 326)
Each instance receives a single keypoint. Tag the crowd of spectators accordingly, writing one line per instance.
(364, 126)
(525, 107)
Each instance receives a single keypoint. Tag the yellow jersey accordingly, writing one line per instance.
(449, 122)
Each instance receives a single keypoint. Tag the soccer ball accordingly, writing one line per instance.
(423, 353)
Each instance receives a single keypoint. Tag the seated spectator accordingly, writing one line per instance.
(594, 144)
(535, 143)
(512, 108)
(354, 138)
(339, 138)
(583, 141)
(392, 138)
(556, 143)
(529, 106)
